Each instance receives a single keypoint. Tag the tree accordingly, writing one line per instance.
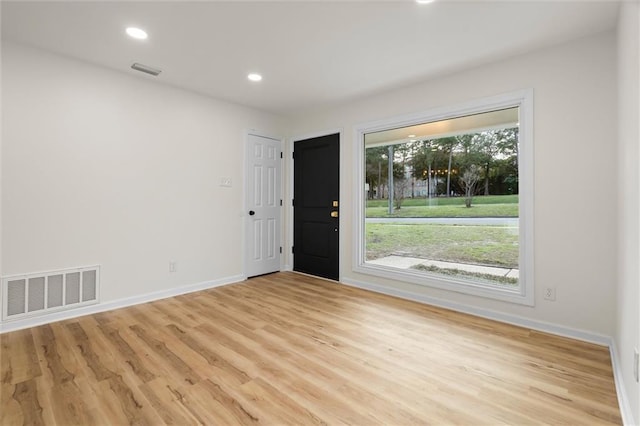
(426, 155)
(400, 186)
(469, 180)
(449, 145)
(401, 155)
(376, 169)
(487, 148)
(504, 176)
(507, 142)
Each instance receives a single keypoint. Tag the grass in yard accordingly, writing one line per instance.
(479, 245)
(482, 206)
(493, 279)
(479, 210)
(451, 201)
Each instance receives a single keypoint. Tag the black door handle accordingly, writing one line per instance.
(251, 212)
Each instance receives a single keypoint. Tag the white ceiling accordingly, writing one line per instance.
(311, 54)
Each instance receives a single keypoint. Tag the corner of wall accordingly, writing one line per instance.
(627, 333)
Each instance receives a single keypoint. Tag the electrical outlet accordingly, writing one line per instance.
(550, 293)
(226, 181)
(172, 266)
(636, 364)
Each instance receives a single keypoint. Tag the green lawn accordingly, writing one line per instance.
(480, 245)
(479, 210)
(483, 206)
(452, 201)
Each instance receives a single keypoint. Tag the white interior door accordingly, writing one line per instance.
(264, 166)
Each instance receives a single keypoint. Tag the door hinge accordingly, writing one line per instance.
(293, 202)
(280, 154)
(292, 250)
(280, 250)
(280, 202)
(293, 155)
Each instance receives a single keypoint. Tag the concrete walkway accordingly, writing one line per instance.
(404, 262)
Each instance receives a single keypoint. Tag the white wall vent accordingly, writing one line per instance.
(37, 294)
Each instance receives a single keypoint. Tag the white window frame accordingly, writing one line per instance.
(525, 293)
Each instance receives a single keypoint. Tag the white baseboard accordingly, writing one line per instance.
(623, 401)
(120, 303)
(486, 313)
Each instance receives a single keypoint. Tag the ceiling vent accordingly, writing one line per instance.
(145, 68)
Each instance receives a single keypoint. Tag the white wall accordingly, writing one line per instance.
(628, 313)
(102, 167)
(575, 124)
(1, 126)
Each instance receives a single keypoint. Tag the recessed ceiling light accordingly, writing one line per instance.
(137, 33)
(254, 77)
(424, 1)
(411, 136)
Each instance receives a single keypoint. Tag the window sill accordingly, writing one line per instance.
(517, 296)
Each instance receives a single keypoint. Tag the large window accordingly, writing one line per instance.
(445, 199)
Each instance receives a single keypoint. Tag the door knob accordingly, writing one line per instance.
(251, 212)
(334, 213)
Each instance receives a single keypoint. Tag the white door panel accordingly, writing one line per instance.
(263, 205)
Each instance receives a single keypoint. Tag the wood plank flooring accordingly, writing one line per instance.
(290, 349)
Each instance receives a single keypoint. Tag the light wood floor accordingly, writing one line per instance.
(289, 349)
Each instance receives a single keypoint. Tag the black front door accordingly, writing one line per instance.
(316, 191)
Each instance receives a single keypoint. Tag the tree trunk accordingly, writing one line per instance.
(449, 173)
(390, 179)
(486, 180)
(379, 194)
(429, 183)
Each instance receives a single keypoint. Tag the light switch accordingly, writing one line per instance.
(226, 181)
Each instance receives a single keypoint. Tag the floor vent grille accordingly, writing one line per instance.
(31, 295)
